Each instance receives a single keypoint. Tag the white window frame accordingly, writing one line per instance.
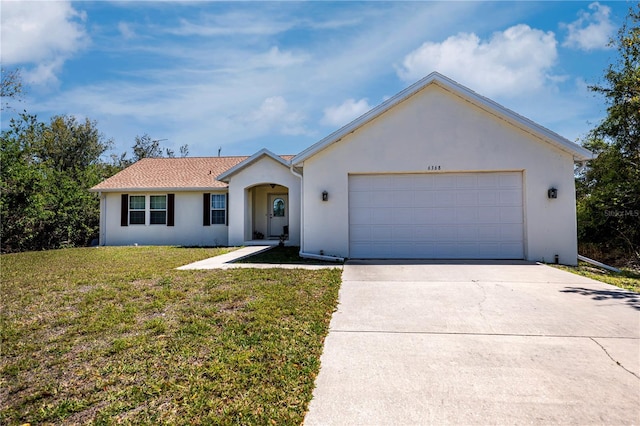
(215, 208)
(152, 210)
(138, 209)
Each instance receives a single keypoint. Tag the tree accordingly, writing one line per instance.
(46, 172)
(10, 86)
(69, 145)
(145, 147)
(609, 188)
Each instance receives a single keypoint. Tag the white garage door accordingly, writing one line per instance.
(436, 216)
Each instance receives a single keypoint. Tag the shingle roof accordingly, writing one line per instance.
(165, 173)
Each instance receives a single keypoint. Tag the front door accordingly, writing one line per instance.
(278, 209)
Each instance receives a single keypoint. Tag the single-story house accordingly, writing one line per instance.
(436, 172)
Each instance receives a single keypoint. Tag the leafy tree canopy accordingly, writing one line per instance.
(609, 188)
(47, 169)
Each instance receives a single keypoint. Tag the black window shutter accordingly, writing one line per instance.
(124, 210)
(227, 212)
(206, 209)
(171, 209)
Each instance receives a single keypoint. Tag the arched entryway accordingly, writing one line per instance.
(268, 212)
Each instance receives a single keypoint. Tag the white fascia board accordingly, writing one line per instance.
(255, 157)
(181, 189)
(579, 153)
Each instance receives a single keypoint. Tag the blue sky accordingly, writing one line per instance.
(282, 75)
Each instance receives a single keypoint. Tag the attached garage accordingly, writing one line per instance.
(436, 216)
(440, 172)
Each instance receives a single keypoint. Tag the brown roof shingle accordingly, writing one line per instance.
(165, 173)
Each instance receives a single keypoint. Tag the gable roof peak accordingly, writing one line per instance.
(285, 160)
(579, 153)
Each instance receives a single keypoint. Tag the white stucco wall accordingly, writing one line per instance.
(243, 200)
(436, 128)
(187, 230)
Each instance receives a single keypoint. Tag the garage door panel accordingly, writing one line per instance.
(445, 181)
(382, 199)
(466, 198)
(489, 214)
(468, 233)
(444, 199)
(360, 216)
(489, 233)
(382, 250)
(423, 216)
(360, 199)
(446, 233)
(403, 198)
(487, 198)
(362, 183)
(512, 250)
(423, 182)
(510, 198)
(361, 233)
(439, 215)
(385, 182)
(510, 215)
(382, 216)
(403, 182)
(467, 181)
(510, 233)
(424, 233)
(424, 198)
(488, 180)
(402, 250)
(403, 216)
(444, 216)
(384, 233)
(465, 216)
(403, 233)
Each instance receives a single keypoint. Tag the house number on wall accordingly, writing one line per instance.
(433, 167)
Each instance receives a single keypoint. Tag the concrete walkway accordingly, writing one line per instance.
(478, 343)
(226, 261)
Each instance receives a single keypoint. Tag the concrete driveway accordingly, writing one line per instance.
(478, 343)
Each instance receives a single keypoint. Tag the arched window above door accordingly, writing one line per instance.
(278, 207)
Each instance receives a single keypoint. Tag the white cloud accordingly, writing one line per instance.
(41, 33)
(277, 58)
(232, 23)
(591, 30)
(350, 109)
(515, 61)
(274, 113)
(125, 30)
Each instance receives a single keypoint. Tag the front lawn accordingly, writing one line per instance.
(627, 279)
(117, 335)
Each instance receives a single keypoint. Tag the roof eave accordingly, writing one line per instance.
(161, 189)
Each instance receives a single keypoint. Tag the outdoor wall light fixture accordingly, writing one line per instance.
(273, 185)
(325, 195)
(552, 193)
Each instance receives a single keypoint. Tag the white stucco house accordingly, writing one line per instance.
(436, 172)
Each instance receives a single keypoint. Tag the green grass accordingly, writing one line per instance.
(117, 335)
(284, 255)
(627, 279)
